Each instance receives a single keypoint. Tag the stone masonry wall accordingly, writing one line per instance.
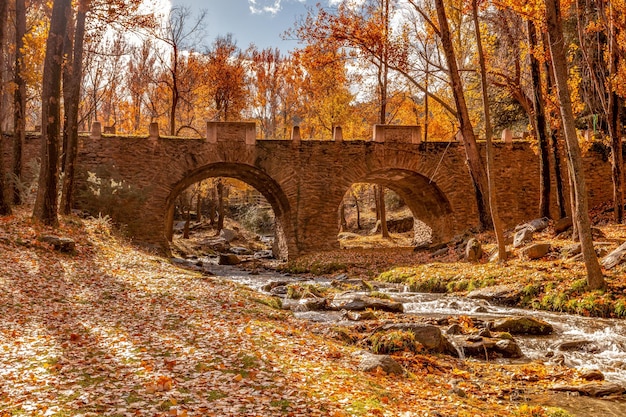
(305, 180)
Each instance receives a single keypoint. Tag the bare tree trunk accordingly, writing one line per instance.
(19, 98)
(220, 205)
(613, 115)
(558, 171)
(539, 122)
(554, 139)
(212, 206)
(187, 221)
(199, 205)
(595, 280)
(46, 204)
(5, 206)
(380, 196)
(343, 224)
(358, 210)
(474, 161)
(493, 200)
(71, 103)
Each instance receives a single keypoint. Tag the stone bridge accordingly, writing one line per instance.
(306, 180)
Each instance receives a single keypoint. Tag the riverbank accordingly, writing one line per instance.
(555, 282)
(91, 326)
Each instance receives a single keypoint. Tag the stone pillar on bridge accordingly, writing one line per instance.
(507, 136)
(338, 134)
(153, 131)
(397, 134)
(96, 130)
(295, 135)
(231, 132)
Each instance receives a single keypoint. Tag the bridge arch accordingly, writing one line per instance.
(427, 202)
(252, 176)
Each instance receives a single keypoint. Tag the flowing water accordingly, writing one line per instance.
(601, 342)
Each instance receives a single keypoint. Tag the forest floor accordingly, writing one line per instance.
(110, 330)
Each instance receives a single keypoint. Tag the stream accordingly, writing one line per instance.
(602, 341)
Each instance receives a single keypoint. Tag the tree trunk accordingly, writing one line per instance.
(539, 122)
(175, 93)
(613, 117)
(46, 204)
(380, 195)
(199, 206)
(493, 200)
(595, 280)
(474, 161)
(220, 205)
(554, 138)
(71, 111)
(358, 210)
(558, 172)
(343, 224)
(5, 206)
(187, 221)
(19, 99)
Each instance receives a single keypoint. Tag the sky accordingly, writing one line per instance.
(261, 22)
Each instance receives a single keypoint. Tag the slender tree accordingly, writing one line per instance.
(539, 122)
(595, 280)
(179, 34)
(5, 206)
(493, 200)
(474, 161)
(46, 204)
(19, 99)
(71, 100)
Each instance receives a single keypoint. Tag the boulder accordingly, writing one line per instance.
(578, 345)
(355, 302)
(536, 251)
(592, 389)
(400, 225)
(61, 244)
(571, 250)
(237, 250)
(215, 244)
(522, 325)
(522, 236)
(427, 335)
(473, 250)
(508, 294)
(228, 259)
(310, 304)
(508, 348)
(562, 225)
(591, 375)
(370, 362)
(615, 258)
(538, 225)
(488, 348)
(228, 235)
(264, 254)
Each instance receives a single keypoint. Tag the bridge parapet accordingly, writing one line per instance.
(397, 134)
(231, 132)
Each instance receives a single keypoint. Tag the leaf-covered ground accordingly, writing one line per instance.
(113, 331)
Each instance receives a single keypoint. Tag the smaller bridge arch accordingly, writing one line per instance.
(427, 202)
(252, 176)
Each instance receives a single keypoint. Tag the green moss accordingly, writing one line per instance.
(378, 294)
(394, 341)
